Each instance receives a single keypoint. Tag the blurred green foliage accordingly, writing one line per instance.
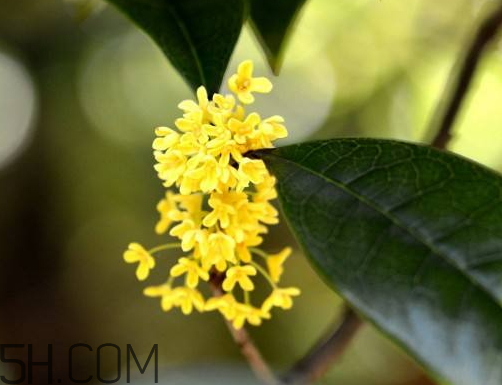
(82, 184)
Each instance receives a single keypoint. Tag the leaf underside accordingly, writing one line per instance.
(273, 21)
(198, 36)
(411, 237)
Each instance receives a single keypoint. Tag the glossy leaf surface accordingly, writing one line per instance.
(273, 23)
(198, 36)
(411, 237)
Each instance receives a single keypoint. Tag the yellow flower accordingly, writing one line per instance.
(275, 262)
(196, 112)
(222, 106)
(221, 249)
(221, 213)
(264, 212)
(189, 144)
(224, 207)
(207, 173)
(268, 130)
(280, 297)
(167, 138)
(251, 170)
(190, 234)
(171, 165)
(265, 191)
(184, 297)
(188, 185)
(243, 130)
(188, 299)
(240, 275)
(193, 127)
(192, 204)
(243, 84)
(136, 253)
(192, 270)
(225, 304)
(169, 213)
(220, 204)
(243, 252)
(245, 312)
(224, 147)
(273, 127)
(168, 295)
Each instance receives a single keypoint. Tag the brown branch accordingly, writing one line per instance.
(462, 80)
(327, 350)
(244, 341)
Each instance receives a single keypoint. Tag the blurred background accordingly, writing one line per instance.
(81, 90)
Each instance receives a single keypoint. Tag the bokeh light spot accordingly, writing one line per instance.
(18, 105)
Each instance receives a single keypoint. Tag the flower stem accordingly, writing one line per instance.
(264, 273)
(259, 252)
(167, 246)
(246, 297)
(241, 337)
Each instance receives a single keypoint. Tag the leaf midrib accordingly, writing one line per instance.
(373, 205)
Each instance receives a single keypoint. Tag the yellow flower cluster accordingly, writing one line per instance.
(221, 207)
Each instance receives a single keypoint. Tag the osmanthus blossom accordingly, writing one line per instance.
(243, 84)
(217, 204)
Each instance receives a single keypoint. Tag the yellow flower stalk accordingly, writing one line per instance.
(218, 205)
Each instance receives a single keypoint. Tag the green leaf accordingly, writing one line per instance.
(411, 237)
(198, 36)
(273, 22)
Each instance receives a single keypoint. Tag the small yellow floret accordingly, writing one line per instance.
(171, 166)
(193, 110)
(226, 305)
(281, 297)
(168, 295)
(240, 275)
(251, 171)
(275, 263)
(169, 213)
(243, 84)
(192, 270)
(136, 253)
(166, 138)
(189, 233)
(245, 312)
(188, 299)
(243, 130)
(221, 250)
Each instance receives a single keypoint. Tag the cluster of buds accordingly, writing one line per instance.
(217, 205)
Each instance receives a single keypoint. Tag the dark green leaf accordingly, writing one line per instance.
(273, 21)
(198, 36)
(411, 237)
